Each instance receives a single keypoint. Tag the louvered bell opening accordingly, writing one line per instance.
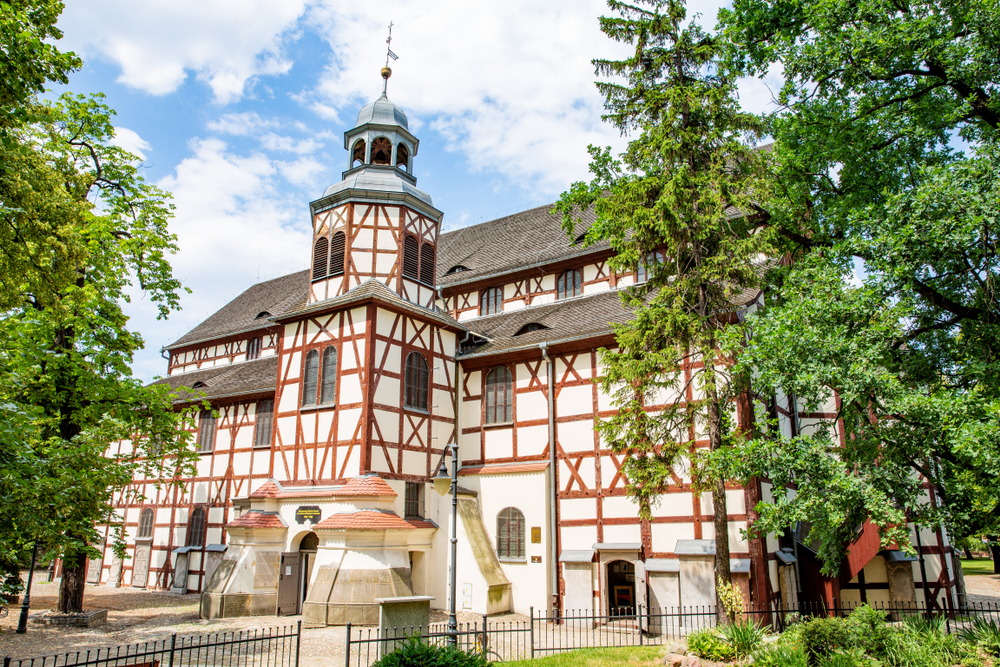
(427, 264)
(337, 249)
(321, 254)
(411, 259)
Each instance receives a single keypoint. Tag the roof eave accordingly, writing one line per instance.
(521, 268)
(374, 197)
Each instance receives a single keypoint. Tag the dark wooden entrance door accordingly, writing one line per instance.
(288, 585)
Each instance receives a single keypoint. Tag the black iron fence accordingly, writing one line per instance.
(541, 634)
(271, 647)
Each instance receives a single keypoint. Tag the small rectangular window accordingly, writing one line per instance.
(206, 431)
(414, 508)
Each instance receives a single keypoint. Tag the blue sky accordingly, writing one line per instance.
(238, 107)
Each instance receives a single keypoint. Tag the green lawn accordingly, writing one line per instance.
(977, 566)
(633, 656)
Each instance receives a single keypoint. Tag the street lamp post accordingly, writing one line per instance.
(442, 482)
(22, 623)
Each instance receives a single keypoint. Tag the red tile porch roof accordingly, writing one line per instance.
(365, 520)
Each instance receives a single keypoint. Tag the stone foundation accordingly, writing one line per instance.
(91, 618)
(232, 605)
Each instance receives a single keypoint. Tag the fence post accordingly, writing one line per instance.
(531, 616)
(173, 643)
(347, 647)
(6, 661)
(638, 617)
(486, 638)
(298, 642)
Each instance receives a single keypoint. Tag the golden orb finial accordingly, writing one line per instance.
(386, 72)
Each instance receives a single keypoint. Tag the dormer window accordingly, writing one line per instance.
(358, 154)
(580, 239)
(381, 151)
(458, 268)
(402, 157)
(529, 327)
(262, 314)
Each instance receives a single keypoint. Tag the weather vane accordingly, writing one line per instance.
(388, 47)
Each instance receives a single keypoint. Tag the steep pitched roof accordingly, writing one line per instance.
(517, 241)
(240, 314)
(245, 377)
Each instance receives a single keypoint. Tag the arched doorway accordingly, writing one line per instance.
(307, 558)
(621, 588)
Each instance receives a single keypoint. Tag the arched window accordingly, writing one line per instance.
(402, 157)
(491, 301)
(310, 378)
(196, 527)
(510, 534)
(411, 257)
(381, 151)
(264, 423)
(645, 268)
(321, 255)
(416, 380)
(529, 327)
(328, 389)
(358, 154)
(337, 254)
(499, 396)
(570, 283)
(427, 264)
(145, 524)
(206, 431)
(253, 348)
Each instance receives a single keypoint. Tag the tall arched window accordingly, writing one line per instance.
(145, 524)
(499, 396)
(206, 431)
(570, 283)
(196, 528)
(264, 423)
(427, 264)
(411, 257)
(415, 383)
(645, 268)
(328, 389)
(402, 157)
(310, 378)
(491, 301)
(510, 534)
(358, 154)
(321, 255)
(381, 151)
(337, 248)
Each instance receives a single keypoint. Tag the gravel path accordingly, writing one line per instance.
(983, 588)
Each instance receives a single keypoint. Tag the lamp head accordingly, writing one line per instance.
(442, 480)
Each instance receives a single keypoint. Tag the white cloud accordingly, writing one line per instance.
(226, 43)
(131, 141)
(304, 172)
(241, 124)
(275, 142)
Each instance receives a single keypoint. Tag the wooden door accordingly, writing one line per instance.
(288, 585)
(140, 566)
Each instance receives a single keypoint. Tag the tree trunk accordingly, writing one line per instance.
(720, 508)
(74, 581)
(956, 564)
(995, 551)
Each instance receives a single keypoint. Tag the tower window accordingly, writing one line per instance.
(411, 257)
(427, 264)
(570, 283)
(310, 378)
(337, 249)
(264, 423)
(358, 154)
(499, 396)
(416, 381)
(196, 527)
(402, 157)
(206, 431)
(145, 524)
(321, 255)
(491, 301)
(381, 151)
(253, 348)
(328, 390)
(510, 534)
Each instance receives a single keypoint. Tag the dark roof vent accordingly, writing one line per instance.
(261, 314)
(529, 327)
(458, 268)
(199, 385)
(580, 239)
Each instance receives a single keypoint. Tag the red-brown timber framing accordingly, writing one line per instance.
(234, 348)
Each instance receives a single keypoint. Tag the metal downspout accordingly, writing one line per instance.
(553, 497)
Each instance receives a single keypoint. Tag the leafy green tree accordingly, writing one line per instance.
(885, 154)
(80, 231)
(676, 190)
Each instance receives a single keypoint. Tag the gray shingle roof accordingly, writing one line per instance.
(240, 314)
(506, 244)
(246, 377)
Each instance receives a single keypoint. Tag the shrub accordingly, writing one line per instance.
(823, 636)
(710, 644)
(780, 655)
(415, 653)
(849, 658)
(743, 637)
(984, 633)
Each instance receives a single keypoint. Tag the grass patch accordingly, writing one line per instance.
(633, 656)
(977, 566)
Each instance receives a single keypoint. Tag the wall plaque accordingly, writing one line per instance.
(536, 559)
(266, 570)
(308, 514)
(536, 534)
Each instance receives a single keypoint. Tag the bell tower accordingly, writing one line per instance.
(376, 223)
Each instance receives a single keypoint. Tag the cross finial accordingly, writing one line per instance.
(388, 46)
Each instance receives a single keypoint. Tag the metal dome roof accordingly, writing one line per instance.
(383, 112)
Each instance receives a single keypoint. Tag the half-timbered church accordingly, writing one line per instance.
(334, 391)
